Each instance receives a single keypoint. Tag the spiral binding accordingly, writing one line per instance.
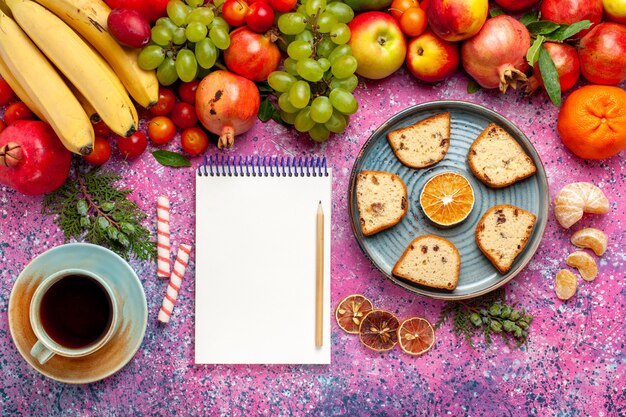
(262, 166)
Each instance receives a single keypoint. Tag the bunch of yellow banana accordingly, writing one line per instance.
(94, 77)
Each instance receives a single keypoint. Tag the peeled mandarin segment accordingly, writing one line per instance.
(447, 199)
(565, 284)
(577, 198)
(379, 330)
(585, 264)
(591, 238)
(416, 336)
(350, 312)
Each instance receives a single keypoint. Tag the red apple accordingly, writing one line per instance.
(516, 5)
(602, 54)
(455, 20)
(377, 43)
(615, 10)
(572, 11)
(431, 59)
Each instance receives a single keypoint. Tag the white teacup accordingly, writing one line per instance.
(73, 313)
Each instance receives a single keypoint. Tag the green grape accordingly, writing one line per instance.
(343, 101)
(305, 35)
(340, 33)
(301, 8)
(167, 22)
(179, 37)
(195, 32)
(324, 64)
(299, 94)
(202, 15)
(150, 57)
(206, 53)
(292, 23)
(177, 11)
(325, 47)
(348, 84)
(218, 3)
(166, 73)
(220, 37)
(310, 70)
(312, 6)
(303, 122)
(219, 21)
(342, 11)
(299, 50)
(344, 66)
(194, 3)
(319, 133)
(285, 104)
(288, 117)
(161, 35)
(291, 66)
(321, 109)
(339, 51)
(326, 22)
(186, 65)
(337, 122)
(280, 81)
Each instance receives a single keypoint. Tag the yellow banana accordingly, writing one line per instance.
(41, 82)
(5, 9)
(19, 91)
(89, 18)
(79, 63)
(89, 109)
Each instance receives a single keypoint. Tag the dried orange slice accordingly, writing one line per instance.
(416, 336)
(577, 198)
(591, 238)
(350, 312)
(585, 264)
(379, 330)
(447, 199)
(565, 284)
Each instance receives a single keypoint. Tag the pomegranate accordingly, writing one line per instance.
(32, 159)
(252, 55)
(572, 11)
(496, 56)
(227, 105)
(602, 54)
(516, 5)
(567, 66)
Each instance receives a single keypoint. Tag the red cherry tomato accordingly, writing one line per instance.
(283, 6)
(234, 12)
(260, 16)
(413, 21)
(184, 115)
(194, 141)
(161, 130)
(132, 146)
(398, 7)
(101, 152)
(17, 111)
(166, 102)
(187, 91)
(6, 93)
(101, 129)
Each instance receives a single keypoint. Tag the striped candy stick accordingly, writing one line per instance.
(163, 237)
(182, 258)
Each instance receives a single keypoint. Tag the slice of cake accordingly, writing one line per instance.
(497, 159)
(381, 198)
(422, 144)
(502, 233)
(431, 261)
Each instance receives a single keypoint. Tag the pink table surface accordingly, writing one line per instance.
(575, 363)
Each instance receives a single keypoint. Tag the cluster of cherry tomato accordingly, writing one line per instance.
(410, 16)
(14, 111)
(257, 14)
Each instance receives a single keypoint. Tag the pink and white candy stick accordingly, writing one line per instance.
(182, 258)
(163, 237)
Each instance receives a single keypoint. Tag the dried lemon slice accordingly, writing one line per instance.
(591, 238)
(416, 336)
(577, 198)
(379, 330)
(447, 199)
(585, 264)
(565, 284)
(350, 312)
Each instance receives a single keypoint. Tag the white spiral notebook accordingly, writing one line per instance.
(256, 260)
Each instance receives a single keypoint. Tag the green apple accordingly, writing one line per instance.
(378, 44)
(615, 10)
(368, 5)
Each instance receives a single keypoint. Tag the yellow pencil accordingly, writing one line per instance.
(319, 287)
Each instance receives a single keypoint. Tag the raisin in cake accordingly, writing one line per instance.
(381, 198)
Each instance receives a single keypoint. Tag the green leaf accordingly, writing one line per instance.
(550, 76)
(532, 55)
(264, 88)
(171, 159)
(542, 27)
(81, 207)
(529, 17)
(495, 12)
(267, 111)
(472, 86)
(567, 31)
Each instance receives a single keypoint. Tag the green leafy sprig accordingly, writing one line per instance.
(92, 208)
(488, 315)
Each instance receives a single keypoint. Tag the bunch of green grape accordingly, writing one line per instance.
(315, 88)
(186, 43)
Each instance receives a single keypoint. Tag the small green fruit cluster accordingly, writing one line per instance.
(501, 318)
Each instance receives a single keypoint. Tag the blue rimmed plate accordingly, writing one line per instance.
(468, 120)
